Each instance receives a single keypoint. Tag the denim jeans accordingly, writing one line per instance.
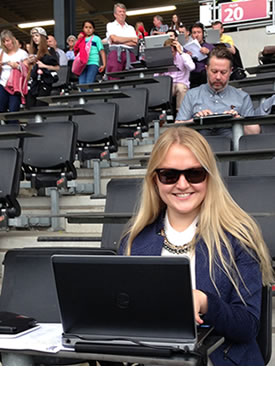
(9, 102)
(89, 74)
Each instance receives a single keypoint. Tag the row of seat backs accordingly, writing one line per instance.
(255, 194)
(55, 150)
(247, 166)
(159, 94)
(128, 114)
(28, 283)
(256, 142)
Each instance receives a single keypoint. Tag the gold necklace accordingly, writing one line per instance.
(185, 248)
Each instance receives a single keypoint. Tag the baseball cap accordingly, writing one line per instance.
(38, 30)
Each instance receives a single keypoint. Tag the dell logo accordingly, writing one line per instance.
(123, 300)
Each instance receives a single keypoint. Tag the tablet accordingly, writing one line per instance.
(212, 118)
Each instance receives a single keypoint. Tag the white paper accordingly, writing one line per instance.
(48, 338)
(194, 47)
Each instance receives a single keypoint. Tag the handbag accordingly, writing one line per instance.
(80, 61)
(237, 74)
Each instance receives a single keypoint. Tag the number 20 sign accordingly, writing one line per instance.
(243, 11)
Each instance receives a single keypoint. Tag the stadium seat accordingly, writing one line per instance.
(97, 137)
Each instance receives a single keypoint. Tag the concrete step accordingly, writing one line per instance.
(36, 206)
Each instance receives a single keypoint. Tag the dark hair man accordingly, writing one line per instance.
(216, 96)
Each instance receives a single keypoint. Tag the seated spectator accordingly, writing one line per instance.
(198, 76)
(217, 96)
(175, 23)
(238, 69)
(184, 63)
(266, 107)
(71, 40)
(52, 43)
(122, 39)
(224, 38)
(140, 30)
(159, 28)
(172, 33)
(183, 29)
(186, 210)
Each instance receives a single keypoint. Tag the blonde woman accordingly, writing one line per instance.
(10, 58)
(186, 210)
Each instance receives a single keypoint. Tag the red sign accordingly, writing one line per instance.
(243, 11)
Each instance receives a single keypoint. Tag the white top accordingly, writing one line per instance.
(179, 239)
(63, 60)
(18, 56)
(125, 30)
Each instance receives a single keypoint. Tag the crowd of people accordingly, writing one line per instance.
(121, 41)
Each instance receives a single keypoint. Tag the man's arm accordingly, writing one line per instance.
(185, 113)
(248, 110)
(131, 41)
(252, 129)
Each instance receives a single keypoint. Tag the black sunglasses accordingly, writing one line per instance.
(171, 176)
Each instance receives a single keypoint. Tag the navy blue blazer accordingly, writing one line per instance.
(237, 322)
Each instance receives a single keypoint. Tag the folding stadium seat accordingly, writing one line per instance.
(10, 169)
(256, 195)
(133, 116)
(48, 161)
(9, 128)
(219, 144)
(256, 167)
(97, 137)
(121, 202)
(160, 100)
(63, 81)
(28, 288)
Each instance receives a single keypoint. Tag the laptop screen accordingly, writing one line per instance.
(156, 57)
(212, 36)
(145, 298)
(155, 41)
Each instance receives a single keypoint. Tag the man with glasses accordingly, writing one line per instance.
(216, 96)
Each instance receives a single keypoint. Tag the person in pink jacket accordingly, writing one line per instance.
(10, 58)
(94, 65)
(185, 65)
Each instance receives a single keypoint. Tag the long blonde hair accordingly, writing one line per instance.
(219, 213)
(8, 34)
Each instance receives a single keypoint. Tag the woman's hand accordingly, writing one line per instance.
(41, 65)
(101, 68)
(32, 59)
(13, 65)
(200, 305)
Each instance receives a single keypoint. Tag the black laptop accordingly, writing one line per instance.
(155, 57)
(121, 301)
